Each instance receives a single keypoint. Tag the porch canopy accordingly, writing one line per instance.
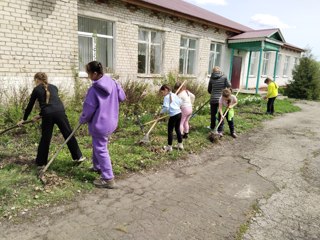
(256, 41)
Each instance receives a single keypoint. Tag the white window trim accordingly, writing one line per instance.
(253, 62)
(185, 65)
(149, 44)
(87, 34)
(279, 60)
(216, 53)
(263, 63)
(286, 64)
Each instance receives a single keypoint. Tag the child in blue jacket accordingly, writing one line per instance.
(171, 105)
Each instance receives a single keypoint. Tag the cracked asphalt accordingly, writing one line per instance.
(206, 196)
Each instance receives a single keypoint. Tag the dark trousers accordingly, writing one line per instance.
(174, 123)
(213, 110)
(270, 105)
(48, 122)
(230, 123)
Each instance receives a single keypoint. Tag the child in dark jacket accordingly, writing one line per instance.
(52, 112)
(101, 112)
(217, 83)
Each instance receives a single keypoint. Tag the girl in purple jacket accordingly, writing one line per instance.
(101, 112)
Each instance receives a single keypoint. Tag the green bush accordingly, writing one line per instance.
(16, 102)
(282, 90)
(306, 80)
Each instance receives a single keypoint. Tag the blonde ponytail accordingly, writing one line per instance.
(43, 78)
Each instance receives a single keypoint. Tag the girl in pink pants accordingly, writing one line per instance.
(186, 108)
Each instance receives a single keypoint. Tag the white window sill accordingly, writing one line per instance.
(142, 75)
(187, 76)
(83, 75)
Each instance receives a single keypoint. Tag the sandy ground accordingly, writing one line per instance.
(206, 196)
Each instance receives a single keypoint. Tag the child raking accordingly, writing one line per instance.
(171, 105)
(101, 112)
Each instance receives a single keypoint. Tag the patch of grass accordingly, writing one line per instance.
(254, 210)
(242, 230)
(20, 188)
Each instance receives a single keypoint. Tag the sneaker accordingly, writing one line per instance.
(167, 148)
(92, 169)
(80, 160)
(180, 146)
(220, 134)
(103, 183)
(234, 135)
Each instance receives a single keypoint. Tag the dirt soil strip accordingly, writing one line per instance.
(207, 196)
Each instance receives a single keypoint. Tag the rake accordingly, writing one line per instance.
(146, 139)
(16, 126)
(42, 171)
(202, 106)
(214, 135)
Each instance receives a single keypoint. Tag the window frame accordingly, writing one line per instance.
(185, 61)
(265, 63)
(215, 54)
(149, 47)
(286, 66)
(279, 62)
(94, 37)
(253, 63)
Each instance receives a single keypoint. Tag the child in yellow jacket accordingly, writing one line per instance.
(271, 95)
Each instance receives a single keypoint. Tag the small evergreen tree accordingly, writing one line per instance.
(306, 79)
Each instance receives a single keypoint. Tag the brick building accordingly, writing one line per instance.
(136, 39)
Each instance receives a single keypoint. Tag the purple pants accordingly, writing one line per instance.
(101, 158)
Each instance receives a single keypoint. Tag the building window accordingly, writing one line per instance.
(149, 51)
(187, 61)
(286, 66)
(265, 65)
(215, 56)
(95, 42)
(278, 64)
(296, 61)
(253, 64)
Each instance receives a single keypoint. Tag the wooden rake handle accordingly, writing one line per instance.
(221, 120)
(225, 113)
(156, 120)
(58, 151)
(16, 126)
(152, 127)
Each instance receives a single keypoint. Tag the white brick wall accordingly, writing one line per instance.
(126, 51)
(41, 35)
(127, 24)
(171, 52)
(37, 35)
